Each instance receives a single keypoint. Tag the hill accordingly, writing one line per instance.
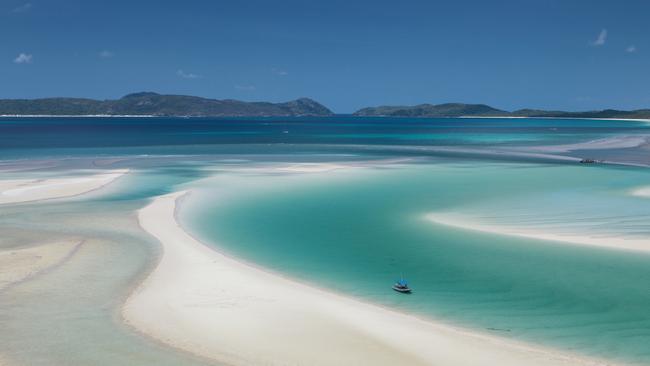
(482, 110)
(147, 103)
(429, 110)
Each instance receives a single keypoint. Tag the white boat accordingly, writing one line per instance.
(402, 286)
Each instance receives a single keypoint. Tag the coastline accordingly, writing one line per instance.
(204, 302)
(32, 190)
(647, 120)
(553, 118)
(639, 245)
(78, 115)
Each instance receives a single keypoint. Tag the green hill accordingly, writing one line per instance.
(482, 110)
(429, 110)
(148, 103)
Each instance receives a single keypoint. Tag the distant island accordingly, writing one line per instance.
(482, 110)
(160, 105)
(154, 104)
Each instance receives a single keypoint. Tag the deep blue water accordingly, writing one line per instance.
(25, 137)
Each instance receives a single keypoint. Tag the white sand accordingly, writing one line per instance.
(27, 190)
(328, 167)
(641, 192)
(311, 167)
(18, 265)
(467, 223)
(204, 302)
(616, 142)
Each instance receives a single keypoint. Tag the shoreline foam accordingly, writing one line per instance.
(203, 302)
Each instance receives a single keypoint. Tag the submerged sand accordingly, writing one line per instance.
(204, 302)
(29, 190)
(17, 265)
(467, 223)
(641, 192)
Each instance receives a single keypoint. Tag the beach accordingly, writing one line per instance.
(206, 303)
(324, 183)
(213, 242)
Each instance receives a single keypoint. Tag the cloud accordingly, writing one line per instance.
(246, 87)
(23, 58)
(631, 49)
(106, 54)
(187, 75)
(602, 38)
(23, 8)
(279, 72)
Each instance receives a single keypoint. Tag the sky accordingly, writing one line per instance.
(565, 55)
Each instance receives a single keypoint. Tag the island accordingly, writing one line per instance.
(482, 110)
(154, 104)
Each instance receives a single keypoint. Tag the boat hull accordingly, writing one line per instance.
(402, 290)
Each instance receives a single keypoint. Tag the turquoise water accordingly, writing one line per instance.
(39, 137)
(70, 315)
(352, 231)
(355, 232)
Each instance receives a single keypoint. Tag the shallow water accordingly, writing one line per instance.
(355, 232)
(70, 314)
(352, 231)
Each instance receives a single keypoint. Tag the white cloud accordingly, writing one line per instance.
(631, 49)
(106, 54)
(246, 87)
(23, 8)
(23, 58)
(187, 75)
(602, 38)
(279, 72)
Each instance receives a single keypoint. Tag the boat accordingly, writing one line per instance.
(590, 161)
(402, 286)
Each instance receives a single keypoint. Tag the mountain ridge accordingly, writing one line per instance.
(154, 104)
(483, 110)
(148, 103)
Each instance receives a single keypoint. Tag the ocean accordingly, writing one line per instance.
(354, 230)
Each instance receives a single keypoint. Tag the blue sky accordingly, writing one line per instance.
(572, 55)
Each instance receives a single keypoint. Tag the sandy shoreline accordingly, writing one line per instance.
(457, 221)
(204, 302)
(29, 190)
